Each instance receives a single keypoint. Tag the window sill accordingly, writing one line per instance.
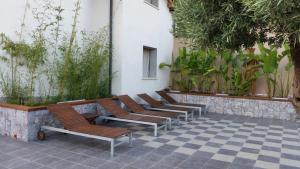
(156, 7)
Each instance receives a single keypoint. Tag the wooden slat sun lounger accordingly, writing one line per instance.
(138, 109)
(173, 102)
(159, 106)
(120, 114)
(76, 124)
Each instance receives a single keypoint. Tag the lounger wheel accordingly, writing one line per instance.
(41, 135)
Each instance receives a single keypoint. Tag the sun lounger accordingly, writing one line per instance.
(159, 106)
(138, 109)
(75, 124)
(119, 114)
(173, 102)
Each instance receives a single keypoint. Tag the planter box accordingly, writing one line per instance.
(246, 106)
(23, 123)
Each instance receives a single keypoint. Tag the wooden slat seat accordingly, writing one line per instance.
(118, 112)
(158, 104)
(75, 124)
(136, 108)
(73, 121)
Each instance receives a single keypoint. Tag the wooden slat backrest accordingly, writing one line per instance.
(130, 103)
(166, 97)
(110, 106)
(67, 116)
(150, 100)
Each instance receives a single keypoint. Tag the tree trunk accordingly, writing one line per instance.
(295, 53)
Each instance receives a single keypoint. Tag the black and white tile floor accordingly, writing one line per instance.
(214, 141)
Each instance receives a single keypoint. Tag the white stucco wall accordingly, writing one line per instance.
(141, 25)
(94, 14)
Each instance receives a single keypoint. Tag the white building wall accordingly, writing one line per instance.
(142, 25)
(94, 14)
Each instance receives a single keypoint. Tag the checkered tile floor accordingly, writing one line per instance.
(214, 141)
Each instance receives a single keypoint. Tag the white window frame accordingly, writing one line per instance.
(149, 65)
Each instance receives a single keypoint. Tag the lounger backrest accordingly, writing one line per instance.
(150, 100)
(110, 106)
(66, 115)
(168, 98)
(130, 103)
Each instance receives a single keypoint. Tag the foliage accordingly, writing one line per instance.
(85, 65)
(215, 24)
(239, 24)
(193, 67)
(243, 73)
(205, 70)
(281, 17)
(233, 24)
(270, 59)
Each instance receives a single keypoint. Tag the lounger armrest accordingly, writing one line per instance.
(168, 110)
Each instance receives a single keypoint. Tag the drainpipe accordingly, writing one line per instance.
(110, 44)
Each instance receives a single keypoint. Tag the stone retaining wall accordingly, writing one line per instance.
(241, 106)
(24, 125)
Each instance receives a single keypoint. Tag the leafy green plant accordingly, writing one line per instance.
(242, 73)
(193, 67)
(221, 70)
(269, 59)
(285, 78)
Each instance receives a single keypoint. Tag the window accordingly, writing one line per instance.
(153, 2)
(149, 63)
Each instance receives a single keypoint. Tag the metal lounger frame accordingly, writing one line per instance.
(156, 127)
(183, 106)
(112, 141)
(169, 119)
(186, 114)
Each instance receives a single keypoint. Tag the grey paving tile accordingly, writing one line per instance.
(161, 166)
(268, 159)
(174, 159)
(81, 167)
(290, 156)
(29, 165)
(239, 166)
(93, 162)
(212, 144)
(153, 157)
(288, 167)
(216, 164)
(254, 142)
(192, 146)
(191, 163)
(243, 161)
(48, 160)
(250, 150)
(77, 158)
(142, 164)
(271, 148)
(202, 155)
(111, 165)
(227, 152)
(65, 151)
